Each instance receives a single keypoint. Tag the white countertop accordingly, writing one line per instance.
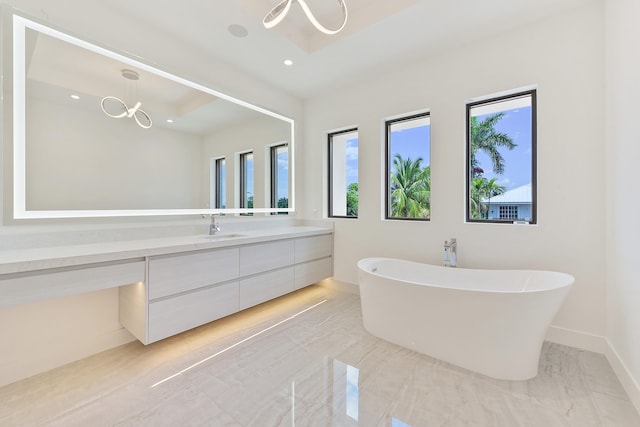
(34, 259)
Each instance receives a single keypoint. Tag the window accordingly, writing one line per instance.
(408, 167)
(343, 174)
(279, 165)
(501, 159)
(219, 183)
(246, 180)
(508, 212)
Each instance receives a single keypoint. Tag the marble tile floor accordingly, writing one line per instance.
(305, 360)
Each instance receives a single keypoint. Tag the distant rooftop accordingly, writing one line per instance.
(520, 194)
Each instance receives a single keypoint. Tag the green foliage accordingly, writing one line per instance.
(410, 188)
(352, 199)
(484, 137)
(483, 188)
(283, 202)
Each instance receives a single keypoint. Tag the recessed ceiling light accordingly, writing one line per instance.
(237, 30)
(169, 120)
(74, 96)
(288, 62)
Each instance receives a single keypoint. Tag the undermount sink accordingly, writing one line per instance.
(223, 236)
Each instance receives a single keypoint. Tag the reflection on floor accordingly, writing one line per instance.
(305, 360)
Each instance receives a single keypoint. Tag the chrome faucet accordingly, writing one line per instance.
(450, 254)
(214, 226)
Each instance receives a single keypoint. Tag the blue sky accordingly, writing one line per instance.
(283, 174)
(416, 142)
(352, 160)
(517, 124)
(412, 143)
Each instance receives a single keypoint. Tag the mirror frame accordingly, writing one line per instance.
(19, 26)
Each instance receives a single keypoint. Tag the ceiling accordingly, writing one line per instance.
(380, 35)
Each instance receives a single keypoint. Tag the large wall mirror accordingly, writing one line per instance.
(97, 133)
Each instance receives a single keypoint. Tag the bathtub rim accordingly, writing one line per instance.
(568, 282)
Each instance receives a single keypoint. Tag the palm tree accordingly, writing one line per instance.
(478, 189)
(483, 188)
(485, 137)
(410, 188)
(492, 189)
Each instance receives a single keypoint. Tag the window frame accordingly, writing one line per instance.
(330, 137)
(219, 181)
(273, 174)
(242, 167)
(532, 93)
(387, 140)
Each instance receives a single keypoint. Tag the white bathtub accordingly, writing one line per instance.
(488, 321)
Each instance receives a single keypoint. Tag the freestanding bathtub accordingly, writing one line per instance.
(488, 321)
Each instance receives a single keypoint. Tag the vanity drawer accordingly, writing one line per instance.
(263, 287)
(175, 274)
(313, 247)
(312, 272)
(265, 256)
(177, 314)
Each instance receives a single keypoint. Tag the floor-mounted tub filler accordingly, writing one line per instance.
(489, 321)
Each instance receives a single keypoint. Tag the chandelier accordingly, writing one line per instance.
(277, 14)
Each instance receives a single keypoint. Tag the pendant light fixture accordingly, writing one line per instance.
(117, 108)
(277, 14)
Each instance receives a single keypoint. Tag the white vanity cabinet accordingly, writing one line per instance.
(267, 270)
(189, 289)
(313, 259)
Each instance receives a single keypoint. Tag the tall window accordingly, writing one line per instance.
(501, 159)
(246, 180)
(279, 160)
(408, 170)
(343, 174)
(219, 181)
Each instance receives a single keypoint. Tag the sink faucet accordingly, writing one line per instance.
(214, 226)
(450, 255)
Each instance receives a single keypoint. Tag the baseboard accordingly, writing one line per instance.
(630, 385)
(577, 339)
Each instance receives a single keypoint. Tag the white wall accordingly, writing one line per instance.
(37, 337)
(623, 152)
(78, 159)
(563, 56)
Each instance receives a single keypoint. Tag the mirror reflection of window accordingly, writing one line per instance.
(219, 183)
(246, 180)
(279, 166)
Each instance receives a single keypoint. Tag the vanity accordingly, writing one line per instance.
(74, 284)
(171, 284)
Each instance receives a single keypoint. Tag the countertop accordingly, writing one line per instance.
(44, 258)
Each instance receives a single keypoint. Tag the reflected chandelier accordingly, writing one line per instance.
(277, 14)
(117, 108)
